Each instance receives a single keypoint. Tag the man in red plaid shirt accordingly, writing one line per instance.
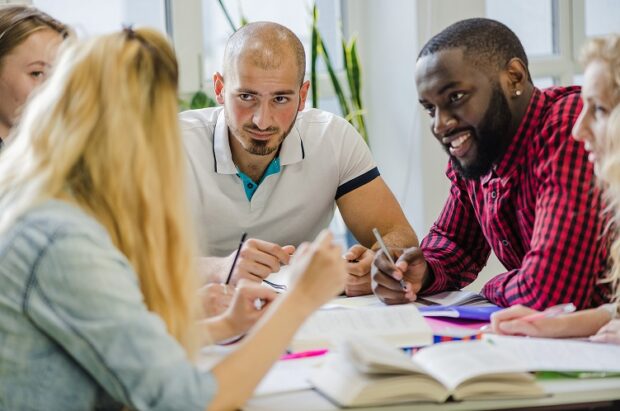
(520, 185)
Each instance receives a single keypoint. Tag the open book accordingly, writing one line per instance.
(368, 372)
(397, 325)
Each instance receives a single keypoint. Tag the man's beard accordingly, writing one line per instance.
(262, 148)
(491, 138)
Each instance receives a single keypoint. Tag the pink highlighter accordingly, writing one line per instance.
(303, 354)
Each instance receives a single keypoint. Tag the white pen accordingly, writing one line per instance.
(385, 250)
(550, 312)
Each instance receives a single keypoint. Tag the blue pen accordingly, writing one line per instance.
(385, 250)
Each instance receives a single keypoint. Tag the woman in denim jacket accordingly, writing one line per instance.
(98, 302)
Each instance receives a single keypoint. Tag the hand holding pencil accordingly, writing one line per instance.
(398, 281)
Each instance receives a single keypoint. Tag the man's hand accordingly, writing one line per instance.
(386, 278)
(258, 258)
(358, 270)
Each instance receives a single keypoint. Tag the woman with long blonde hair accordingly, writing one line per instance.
(29, 39)
(98, 299)
(598, 126)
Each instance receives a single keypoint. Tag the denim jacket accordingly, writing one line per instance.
(75, 333)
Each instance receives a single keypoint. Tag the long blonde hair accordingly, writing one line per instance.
(607, 50)
(103, 130)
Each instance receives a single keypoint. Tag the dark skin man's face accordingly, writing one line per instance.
(470, 114)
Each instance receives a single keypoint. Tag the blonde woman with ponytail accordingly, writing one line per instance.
(598, 127)
(98, 300)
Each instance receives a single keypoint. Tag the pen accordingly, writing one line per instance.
(551, 312)
(303, 354)
(232, 267)
(385, 250)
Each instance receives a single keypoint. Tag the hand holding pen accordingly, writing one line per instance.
(521, 320)
(398, 282)
(385, 250)
(256, 259)
(257, 303)
(551, 312)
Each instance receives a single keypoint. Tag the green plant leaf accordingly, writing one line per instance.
(314, 54)
(356, 74)
(346, 58)
(342, 100)
(227, 15)
(200, 99)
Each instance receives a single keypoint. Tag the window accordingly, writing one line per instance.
(294, 14)
(545, 28)
(533, 21)
(601, 17)
(92, 18)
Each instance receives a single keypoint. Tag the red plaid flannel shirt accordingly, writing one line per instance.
(538, 209)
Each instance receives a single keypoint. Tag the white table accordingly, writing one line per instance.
(561, 393)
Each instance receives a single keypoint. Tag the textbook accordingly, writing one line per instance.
(397, 325)
(368, 372)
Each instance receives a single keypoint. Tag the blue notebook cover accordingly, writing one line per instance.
(463, 312)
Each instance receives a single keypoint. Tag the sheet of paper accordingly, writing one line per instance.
(279, 281)
(288, 376)
(402, 325)
(461, 297)
(545, 354)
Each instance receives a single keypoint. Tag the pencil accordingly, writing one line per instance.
(232, 267)
(385, 250)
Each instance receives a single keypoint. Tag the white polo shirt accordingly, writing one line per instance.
(321, 159)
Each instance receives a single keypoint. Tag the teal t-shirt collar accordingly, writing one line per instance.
(250, 185)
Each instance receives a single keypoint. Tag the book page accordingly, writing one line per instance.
(546, 354)
(401, 325)
(452, 363)
(371, 355)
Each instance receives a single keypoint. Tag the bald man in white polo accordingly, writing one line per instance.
(262, 164)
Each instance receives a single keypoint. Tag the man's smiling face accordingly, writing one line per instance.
(469, 111)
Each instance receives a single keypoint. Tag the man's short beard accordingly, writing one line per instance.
(491, 137)
(262, 148)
